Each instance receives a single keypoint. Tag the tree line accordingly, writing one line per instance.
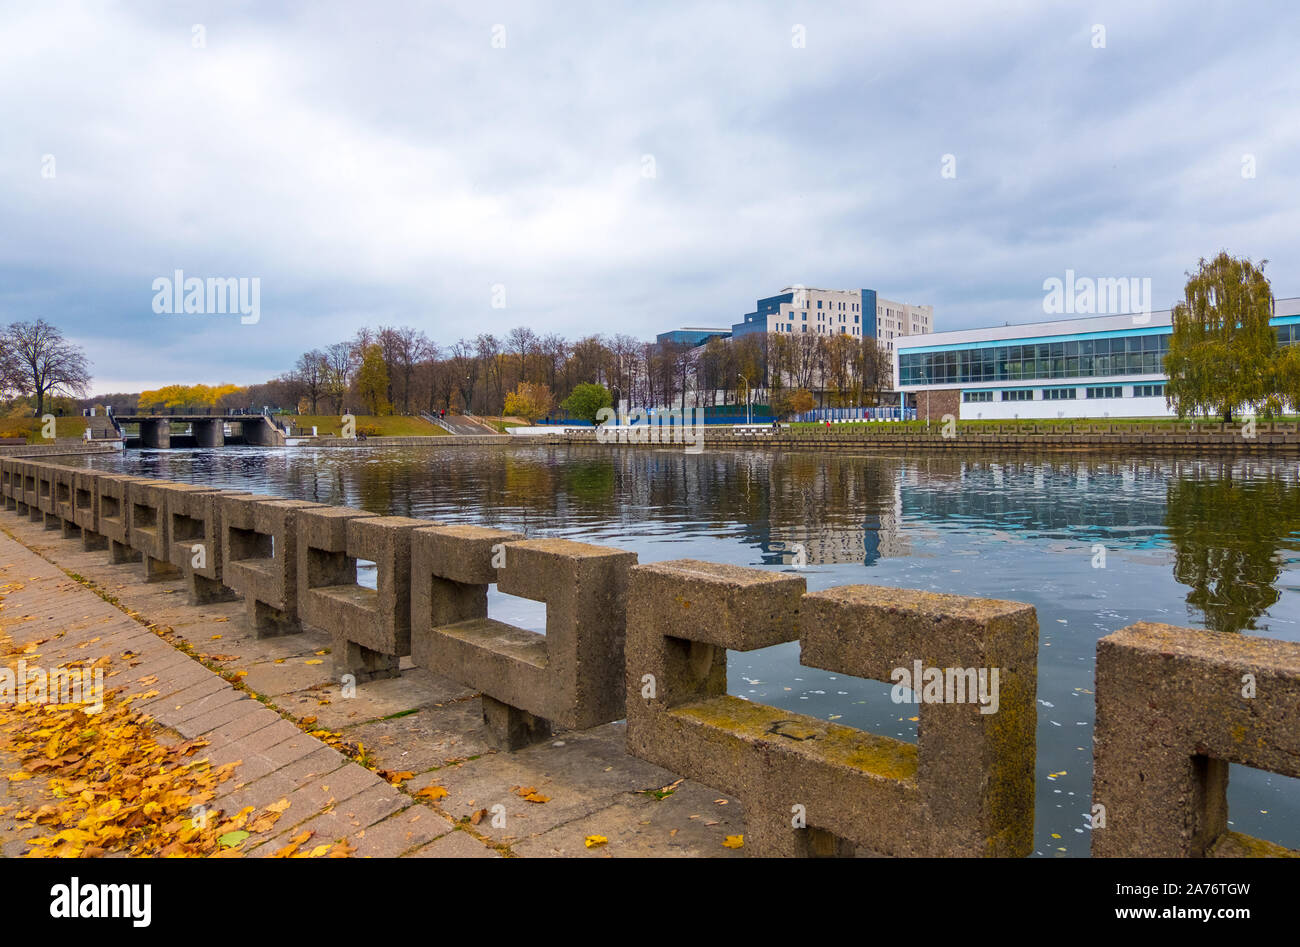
(401, 370)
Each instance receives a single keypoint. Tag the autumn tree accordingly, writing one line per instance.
(1222, 351)
(790, 402)
(372, 381)
(529, 401)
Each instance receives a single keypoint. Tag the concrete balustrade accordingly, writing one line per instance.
(194, 538)
(571, 676)
(31, 497)
(327, 579)
(114, 522)
(85, 508)
(259, 550)
(146, 514)
(43, 510)
(61, 489)
(6, 483)
(810, 787)
(370, 629)
(1175, 707)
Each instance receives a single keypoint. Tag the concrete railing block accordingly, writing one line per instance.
(194, 542)
(64, 489)
(572, 675)
(966, 787)
(148, 528)
(31, 498)
(371, 628)
(259, 553)
(1175, 707)
(114, 503)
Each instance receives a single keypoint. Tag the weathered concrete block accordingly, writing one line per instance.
(45, 477)
(6, 480)
(148, 527)
(85, 507)
(259, 551)
(45, 473)
(375, 623)
(113, 521)
(810, 787)
(63, 487)
(1174, 709)
(451, 569)
(31, 497)
(194, 540)
(13, 485)
(27, 486)
(571, 676)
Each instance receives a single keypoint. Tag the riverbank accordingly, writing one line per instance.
(963, 436)
(364, 771)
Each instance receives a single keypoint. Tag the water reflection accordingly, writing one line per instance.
(1232, 538)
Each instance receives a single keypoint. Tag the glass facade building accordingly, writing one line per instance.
(1138, 351)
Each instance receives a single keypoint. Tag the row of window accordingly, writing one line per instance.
(1085, 358)
(1134, 355)
(789, 327)
(1064, 394)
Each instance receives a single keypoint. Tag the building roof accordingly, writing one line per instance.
(1290, 306)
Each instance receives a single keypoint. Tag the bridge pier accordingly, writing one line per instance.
(210, 433)
(258, 432)
(156, 432)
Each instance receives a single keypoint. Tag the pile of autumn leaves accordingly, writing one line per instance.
(111, 787)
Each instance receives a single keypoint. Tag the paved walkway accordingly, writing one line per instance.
(420, 725)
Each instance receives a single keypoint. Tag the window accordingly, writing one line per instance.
(1018, 394)
(1148, 391)
(969, 396)
(1109, 391)
(1059, 394)
(819, 304)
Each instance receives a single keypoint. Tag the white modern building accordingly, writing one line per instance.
(1100, 366)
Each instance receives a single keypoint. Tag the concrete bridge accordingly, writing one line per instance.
(209, 430)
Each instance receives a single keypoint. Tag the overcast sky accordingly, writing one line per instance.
(618, 167)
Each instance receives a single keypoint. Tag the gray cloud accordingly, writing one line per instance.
(386, 164)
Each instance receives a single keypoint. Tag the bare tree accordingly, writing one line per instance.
(338, 372)
(312, 371)
(45, 363)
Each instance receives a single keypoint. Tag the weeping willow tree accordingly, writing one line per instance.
(1222, 353)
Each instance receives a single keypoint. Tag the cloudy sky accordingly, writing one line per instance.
(617, 167)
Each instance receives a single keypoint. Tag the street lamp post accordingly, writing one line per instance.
(746, 381)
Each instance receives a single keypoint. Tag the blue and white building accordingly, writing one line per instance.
(692, 336)
(1100, 366)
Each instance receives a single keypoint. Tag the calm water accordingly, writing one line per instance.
(1206, 542)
